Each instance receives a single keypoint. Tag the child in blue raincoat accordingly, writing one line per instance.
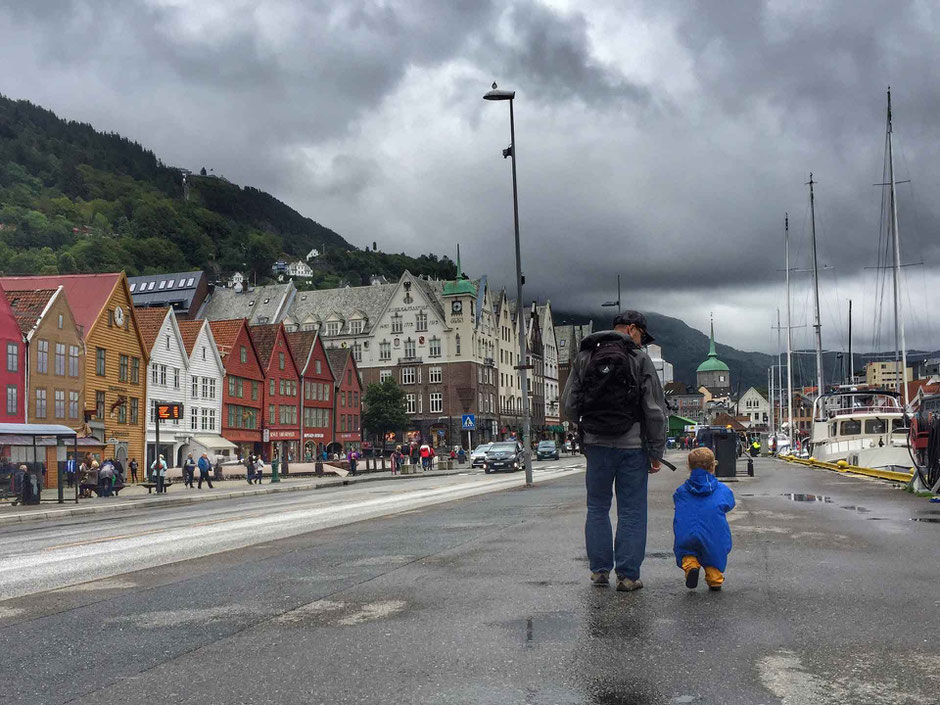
(703, 537)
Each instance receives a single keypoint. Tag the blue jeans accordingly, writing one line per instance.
(628, 472)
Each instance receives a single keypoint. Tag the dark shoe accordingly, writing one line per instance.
(715, 588)
(601, 579)
(691, 579)
(627, 585)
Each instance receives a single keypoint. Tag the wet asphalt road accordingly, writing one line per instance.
(486, 600)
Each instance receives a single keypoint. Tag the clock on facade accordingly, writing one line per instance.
(119, 315)
(456, 307)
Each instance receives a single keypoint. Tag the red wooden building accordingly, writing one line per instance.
(281, 419)
(13, 369)
(316, 394)
(347, 401)
(243, 390)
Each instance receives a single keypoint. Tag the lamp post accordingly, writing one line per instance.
(523, 366)
(617, 302)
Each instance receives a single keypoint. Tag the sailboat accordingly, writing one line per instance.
(866, 428)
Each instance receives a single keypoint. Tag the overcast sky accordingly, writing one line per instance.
(660, 140)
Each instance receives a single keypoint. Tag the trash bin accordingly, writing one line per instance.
(275, 466)
(725, 447)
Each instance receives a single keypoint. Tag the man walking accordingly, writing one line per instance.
(189, 471)
(614, 395)
(204, 467)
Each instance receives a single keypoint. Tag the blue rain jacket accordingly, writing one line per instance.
(700, 526)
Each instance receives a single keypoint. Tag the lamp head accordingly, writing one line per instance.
(497, 94)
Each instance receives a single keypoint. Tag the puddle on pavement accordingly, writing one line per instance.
(875, 518)
(544, 628)
(929, 520)
(853, 508)
(808, 498)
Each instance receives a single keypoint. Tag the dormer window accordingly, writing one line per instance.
(333, 327)
(162, 284)
(355, 327)
(133, 286)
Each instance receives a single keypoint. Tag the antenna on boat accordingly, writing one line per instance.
(851, 361)
(900, 345)
(820, 389)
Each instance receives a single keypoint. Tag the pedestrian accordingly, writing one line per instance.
(614, 395)
(353, 461)
(397, 459)
(105, 478)
(250, 467)
(461, 455)
(133, 468)
(70, 472)
(204, 467)
(189, 471)
(259, 470)
(118, 472)
(425, 453)
(158, 468)
(415, 454)
(702, 533)
(755, 448)
(218, 468)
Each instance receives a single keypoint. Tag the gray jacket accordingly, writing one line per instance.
(654, 405)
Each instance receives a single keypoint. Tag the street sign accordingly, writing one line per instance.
(469, 422)
(169, 412)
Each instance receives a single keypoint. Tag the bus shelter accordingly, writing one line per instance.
(29, 452)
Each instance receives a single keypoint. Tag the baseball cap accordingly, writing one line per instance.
(637, 319)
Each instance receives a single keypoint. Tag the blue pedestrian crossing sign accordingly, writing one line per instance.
(469, 422)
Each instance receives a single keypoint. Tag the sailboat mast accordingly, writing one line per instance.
(779, 375)
(786, 226)
(816, 324)
(851, 360)
(900, 344)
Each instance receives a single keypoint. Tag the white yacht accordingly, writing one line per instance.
(865, 428)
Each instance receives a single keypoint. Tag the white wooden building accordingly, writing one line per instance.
(204, 392)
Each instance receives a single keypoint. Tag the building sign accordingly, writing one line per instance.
(169, 412)
(282, 435)
(308, 434)
(347, 436)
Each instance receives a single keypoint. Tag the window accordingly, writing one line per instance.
(122, 413)
(333, 327)
(239, 387)
(193, 419)
(208, 388)
(153, 374)
(163, 375)
(385, 350)
(243, 354)
(410, 348)
(208, 419)
(169, 284)
(396, 323)
(73, 361)
(407, 375)
(357, 352)
(342, 422)
(195, 387)
(876, 426)
(60, 359)
(132, 287)
(189, 282)
(162, 284)
(436, 403)
(135, 411)
(254, 390)
(326, 392)
(280, 361)
(42, 357)
(231, 386)
(355, 400)
(384, 375)
(99, 405)
(176, 377)
(421, 321)
(100, 361)
(457, 343)
(434, 347)
(356, 327)
(122, 366)
(281, 386)
(12, 401)
(60, 403)
(435, 375)
(73, 405)
(318, 367)
(348, 376)
(167, 342)
(40, 403)
(135, 370)
(271, 387)
(272, 416)
(411, 405)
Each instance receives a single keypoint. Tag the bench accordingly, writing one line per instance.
(93, 487)
(151, 486)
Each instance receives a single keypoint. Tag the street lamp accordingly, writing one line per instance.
(523, 366)
(617, 302)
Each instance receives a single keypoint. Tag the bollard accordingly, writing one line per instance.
(750, 467)
(318, 466)
(275, 466)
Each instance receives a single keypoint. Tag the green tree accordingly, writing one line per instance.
(384, 409)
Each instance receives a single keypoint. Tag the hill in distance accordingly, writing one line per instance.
(76, 200)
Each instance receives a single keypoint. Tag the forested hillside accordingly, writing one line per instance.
(76, 200)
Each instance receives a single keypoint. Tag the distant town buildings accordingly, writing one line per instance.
(885, 374)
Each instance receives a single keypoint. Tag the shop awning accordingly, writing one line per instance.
(213, 442)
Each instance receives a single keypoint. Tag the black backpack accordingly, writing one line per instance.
(610, 387)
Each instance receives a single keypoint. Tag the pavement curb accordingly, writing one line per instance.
(79, 511)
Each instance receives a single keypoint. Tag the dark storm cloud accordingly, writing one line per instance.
(662, 141)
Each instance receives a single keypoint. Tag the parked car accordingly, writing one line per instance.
(547, 449)
(503, 456)
(478, 456)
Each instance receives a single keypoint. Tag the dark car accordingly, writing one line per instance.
(547, 449)
(503, 456)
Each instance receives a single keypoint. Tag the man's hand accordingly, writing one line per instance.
(654, 466)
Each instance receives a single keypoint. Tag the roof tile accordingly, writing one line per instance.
(149, 321)
(87, 294)
(190, 331)
(28, 306)
(226, 333)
